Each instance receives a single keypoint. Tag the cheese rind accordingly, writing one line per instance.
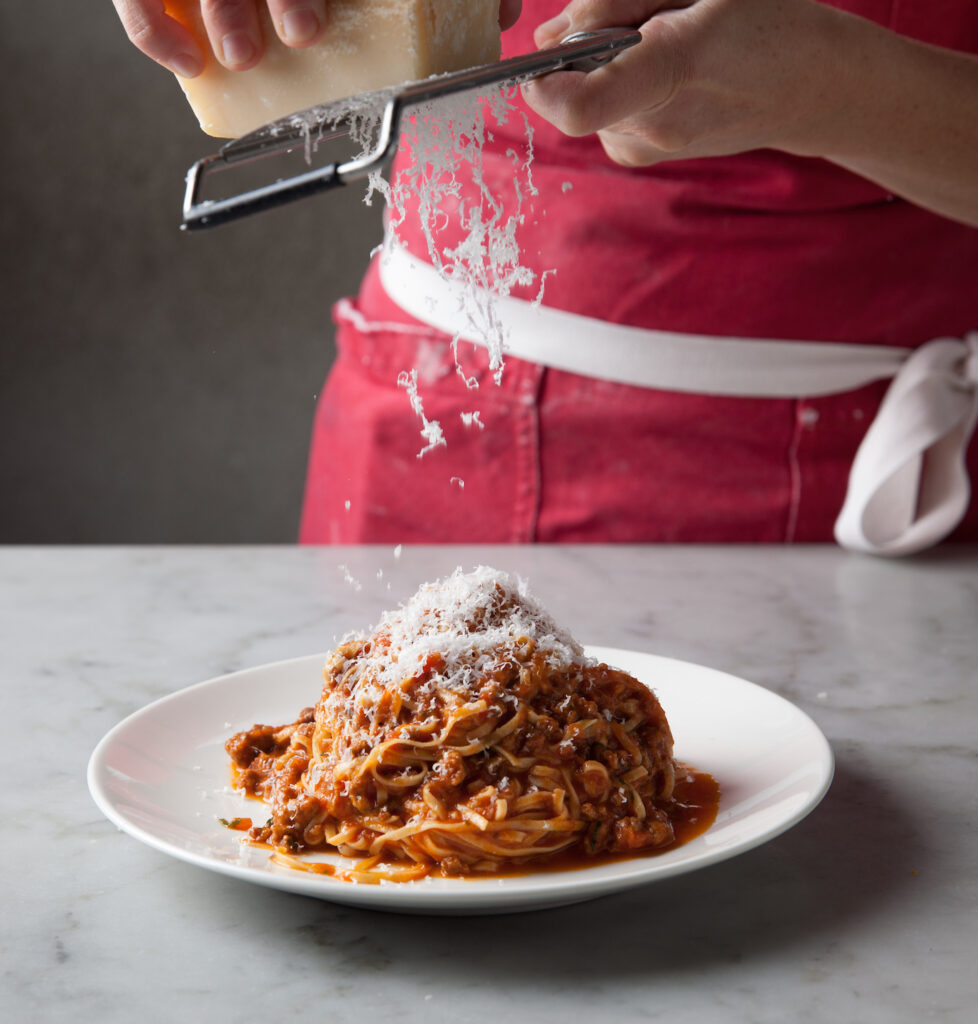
(368, 44)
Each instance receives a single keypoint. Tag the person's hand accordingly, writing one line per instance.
(710, 77)
(718, 77)
(233, 30)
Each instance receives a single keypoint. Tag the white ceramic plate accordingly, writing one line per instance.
(162, 776)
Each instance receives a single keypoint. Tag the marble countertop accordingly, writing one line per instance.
(866, 911)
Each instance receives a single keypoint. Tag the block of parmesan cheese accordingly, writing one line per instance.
(369, 44)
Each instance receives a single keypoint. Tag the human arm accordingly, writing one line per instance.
(716, 77)
(233, 30)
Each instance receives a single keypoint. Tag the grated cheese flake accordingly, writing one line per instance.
(430, 429)
(349, 578)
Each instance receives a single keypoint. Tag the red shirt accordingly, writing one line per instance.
(762, 245)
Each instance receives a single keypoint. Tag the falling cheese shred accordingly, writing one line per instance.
(475, 248)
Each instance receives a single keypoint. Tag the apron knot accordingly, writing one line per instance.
(909, 486)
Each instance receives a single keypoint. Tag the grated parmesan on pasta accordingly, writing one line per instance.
(467, 622)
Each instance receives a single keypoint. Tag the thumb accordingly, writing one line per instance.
(642, 78)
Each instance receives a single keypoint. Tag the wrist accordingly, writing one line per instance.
(841, 55)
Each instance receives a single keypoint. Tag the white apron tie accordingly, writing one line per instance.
(909, 486)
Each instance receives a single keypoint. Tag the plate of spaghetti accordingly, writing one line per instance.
(465, 756)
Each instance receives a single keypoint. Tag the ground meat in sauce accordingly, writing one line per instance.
(270, 763)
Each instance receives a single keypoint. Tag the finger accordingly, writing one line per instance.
(299, 23)
(642, 79)
(164, 40)
(234, 32)
(587, 15)
(509, 12)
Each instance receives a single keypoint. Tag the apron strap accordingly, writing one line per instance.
(665, 360)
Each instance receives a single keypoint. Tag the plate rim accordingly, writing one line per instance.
(463, 896)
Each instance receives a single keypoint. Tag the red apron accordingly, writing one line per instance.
(761, 245)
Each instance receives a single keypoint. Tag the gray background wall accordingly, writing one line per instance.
(154, 386)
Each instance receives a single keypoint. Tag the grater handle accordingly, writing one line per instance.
(203, 213)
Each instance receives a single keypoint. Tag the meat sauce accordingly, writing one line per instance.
(692, 810)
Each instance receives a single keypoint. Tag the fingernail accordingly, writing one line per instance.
(237, 48)
(186, 65)
(299, 26)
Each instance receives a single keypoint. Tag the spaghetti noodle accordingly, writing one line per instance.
(468, 733)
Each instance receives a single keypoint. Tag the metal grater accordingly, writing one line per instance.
(582, 51)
